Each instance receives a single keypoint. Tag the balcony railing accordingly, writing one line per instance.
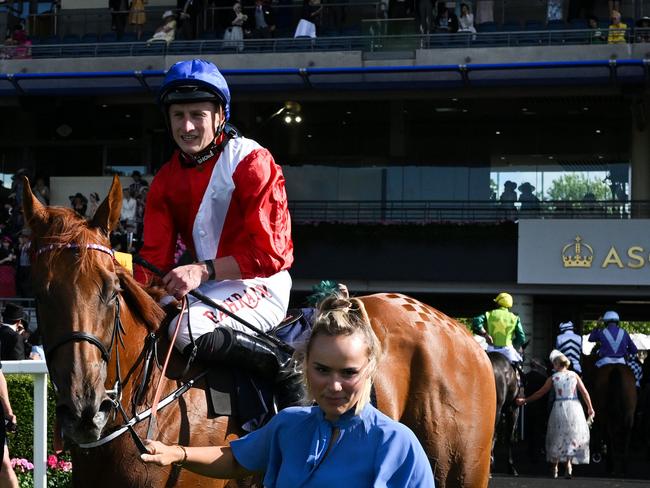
(73, 46)
(429, 211)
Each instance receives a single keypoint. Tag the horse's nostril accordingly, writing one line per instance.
(106, 406)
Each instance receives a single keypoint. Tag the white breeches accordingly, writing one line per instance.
(508, 351)
(262, 302)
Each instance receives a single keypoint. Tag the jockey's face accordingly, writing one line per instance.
(193, 125)
(337, 372)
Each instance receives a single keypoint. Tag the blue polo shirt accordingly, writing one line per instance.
(371, 450)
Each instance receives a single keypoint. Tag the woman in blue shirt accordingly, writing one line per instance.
(343, 437)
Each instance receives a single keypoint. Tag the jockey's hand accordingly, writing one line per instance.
(520, 401)
(180, 281)
(161, 454)
(488, 339)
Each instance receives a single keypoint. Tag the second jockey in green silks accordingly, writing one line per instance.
(501, 329)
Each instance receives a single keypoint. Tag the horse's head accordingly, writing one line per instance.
(76, 286)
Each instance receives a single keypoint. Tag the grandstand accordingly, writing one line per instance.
(406, 141)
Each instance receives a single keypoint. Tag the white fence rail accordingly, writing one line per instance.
(38, 369)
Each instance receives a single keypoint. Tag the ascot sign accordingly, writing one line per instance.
(590, 252)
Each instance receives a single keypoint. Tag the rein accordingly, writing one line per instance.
(117, 339)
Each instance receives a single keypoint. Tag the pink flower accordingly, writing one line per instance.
(21, 465)
(64, 465)
(52, 461)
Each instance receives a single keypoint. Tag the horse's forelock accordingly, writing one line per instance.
(64, 226)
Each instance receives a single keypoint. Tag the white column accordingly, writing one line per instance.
(40, 430)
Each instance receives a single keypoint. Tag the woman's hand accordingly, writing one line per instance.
(162, 454)
(590, 412)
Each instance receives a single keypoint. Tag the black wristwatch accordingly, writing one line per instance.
(210, 265)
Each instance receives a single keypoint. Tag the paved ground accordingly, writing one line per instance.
(502, 481)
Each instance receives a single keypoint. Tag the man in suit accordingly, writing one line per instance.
(12, 347)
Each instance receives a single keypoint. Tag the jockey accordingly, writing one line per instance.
(225, 196)
(615, 343)
(570, 344)
(505, 333)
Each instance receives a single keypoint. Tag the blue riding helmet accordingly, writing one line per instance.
(611, 316)
(195, 81)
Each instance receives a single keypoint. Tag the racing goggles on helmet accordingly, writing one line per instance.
(190, 94)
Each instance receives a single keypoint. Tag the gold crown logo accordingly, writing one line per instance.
(577, 254)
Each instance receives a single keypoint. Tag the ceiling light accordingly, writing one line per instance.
(297, 119)
(454, 99)
(128, 116)
(498, 132)
(524, 109)
(597, 131)
(287, 119)
(585, 109)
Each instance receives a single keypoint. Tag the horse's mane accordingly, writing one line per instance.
(141, 302)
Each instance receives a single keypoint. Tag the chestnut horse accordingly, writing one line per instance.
(96, 320)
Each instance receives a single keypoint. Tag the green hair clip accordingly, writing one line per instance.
(321, 291)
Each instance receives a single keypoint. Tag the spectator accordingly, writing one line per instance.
(79, 204)
(129, 207)
(34, 345)
(141, 202)
(425, 10)
(138, 183)
(187, 18)
(617, 29)
(119, 14)
(12, 346)
(311, 12)
(18, 43)
(92, 205)
(234, 35)
(41, 191)
(446, 20)
(7, 268)
(597, 35)
(466, 21)
(137, 17)
(484, 11)
(167, 30)
(7, 476)
(507, 200)
(23, 270)
(262, 21)
(529, 201)
(643, 31)
(17, 186)
(554, 10)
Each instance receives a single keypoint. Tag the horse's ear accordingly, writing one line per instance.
(108, 213)
(34, 211)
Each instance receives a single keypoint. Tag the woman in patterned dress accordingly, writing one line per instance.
(567, 436)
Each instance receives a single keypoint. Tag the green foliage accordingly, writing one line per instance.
(631, 327)
(574, 186)
(21, 397)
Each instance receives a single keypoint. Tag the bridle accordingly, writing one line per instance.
(115, 395)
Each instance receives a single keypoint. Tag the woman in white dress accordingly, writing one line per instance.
(567, 436)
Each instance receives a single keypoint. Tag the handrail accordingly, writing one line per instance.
(430, 211)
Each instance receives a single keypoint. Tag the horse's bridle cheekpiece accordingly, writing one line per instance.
(115, 394)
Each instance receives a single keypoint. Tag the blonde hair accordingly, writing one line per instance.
(341, 316)
(562, 360)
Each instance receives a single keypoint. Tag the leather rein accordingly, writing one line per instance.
(149, 354)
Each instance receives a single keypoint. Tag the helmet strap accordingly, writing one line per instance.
(210, 150)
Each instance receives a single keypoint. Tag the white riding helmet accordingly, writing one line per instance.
(611, 316)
